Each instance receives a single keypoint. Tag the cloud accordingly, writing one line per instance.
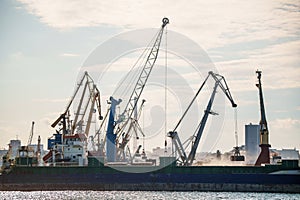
(284, 132)
(278, 62)
(211, 23)
(285, 124)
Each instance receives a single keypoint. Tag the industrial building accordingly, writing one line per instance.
(252, 141)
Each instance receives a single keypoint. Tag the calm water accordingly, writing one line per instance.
(41, 195)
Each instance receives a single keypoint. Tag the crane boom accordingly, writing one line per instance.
(79, 107)
(144, 75)
(93, 101)
(31, 134)
(70, 102)
(192, 154)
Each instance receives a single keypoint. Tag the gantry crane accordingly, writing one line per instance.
(219, 82)
(126, 115)
(264, 156)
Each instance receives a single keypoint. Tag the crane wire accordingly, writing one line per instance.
(166, 85)
(235, 127)
(131, 78)
(189, 106)
(134, 77)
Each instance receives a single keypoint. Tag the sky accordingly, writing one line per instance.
(45, 44)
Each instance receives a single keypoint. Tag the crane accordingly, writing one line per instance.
(219, 82)
(30, 135)
(264, 156)
(90, 89)
(127, 113)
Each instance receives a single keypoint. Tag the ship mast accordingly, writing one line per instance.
(264, 156)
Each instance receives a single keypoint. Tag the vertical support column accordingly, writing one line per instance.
(264, 156)
(110, 136)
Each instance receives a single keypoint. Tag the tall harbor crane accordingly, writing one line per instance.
(219, 83)
(126, 115)
(264, 156)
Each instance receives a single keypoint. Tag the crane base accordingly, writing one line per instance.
(264, 156)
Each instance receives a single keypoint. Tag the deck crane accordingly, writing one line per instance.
(93, 93)
(112, 132)
(219, 82)
(264, 156)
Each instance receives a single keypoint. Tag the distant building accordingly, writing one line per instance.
(156, 152)
(252, 141)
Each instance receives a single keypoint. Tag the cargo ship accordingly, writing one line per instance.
(165, 177)
(69, 165)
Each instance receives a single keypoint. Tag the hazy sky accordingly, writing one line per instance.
(44, 44)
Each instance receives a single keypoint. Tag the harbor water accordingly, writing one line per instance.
(141, 195)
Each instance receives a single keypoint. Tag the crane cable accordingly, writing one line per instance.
(166, 85)
(189, 106)
(235, 127)
(137, 64)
